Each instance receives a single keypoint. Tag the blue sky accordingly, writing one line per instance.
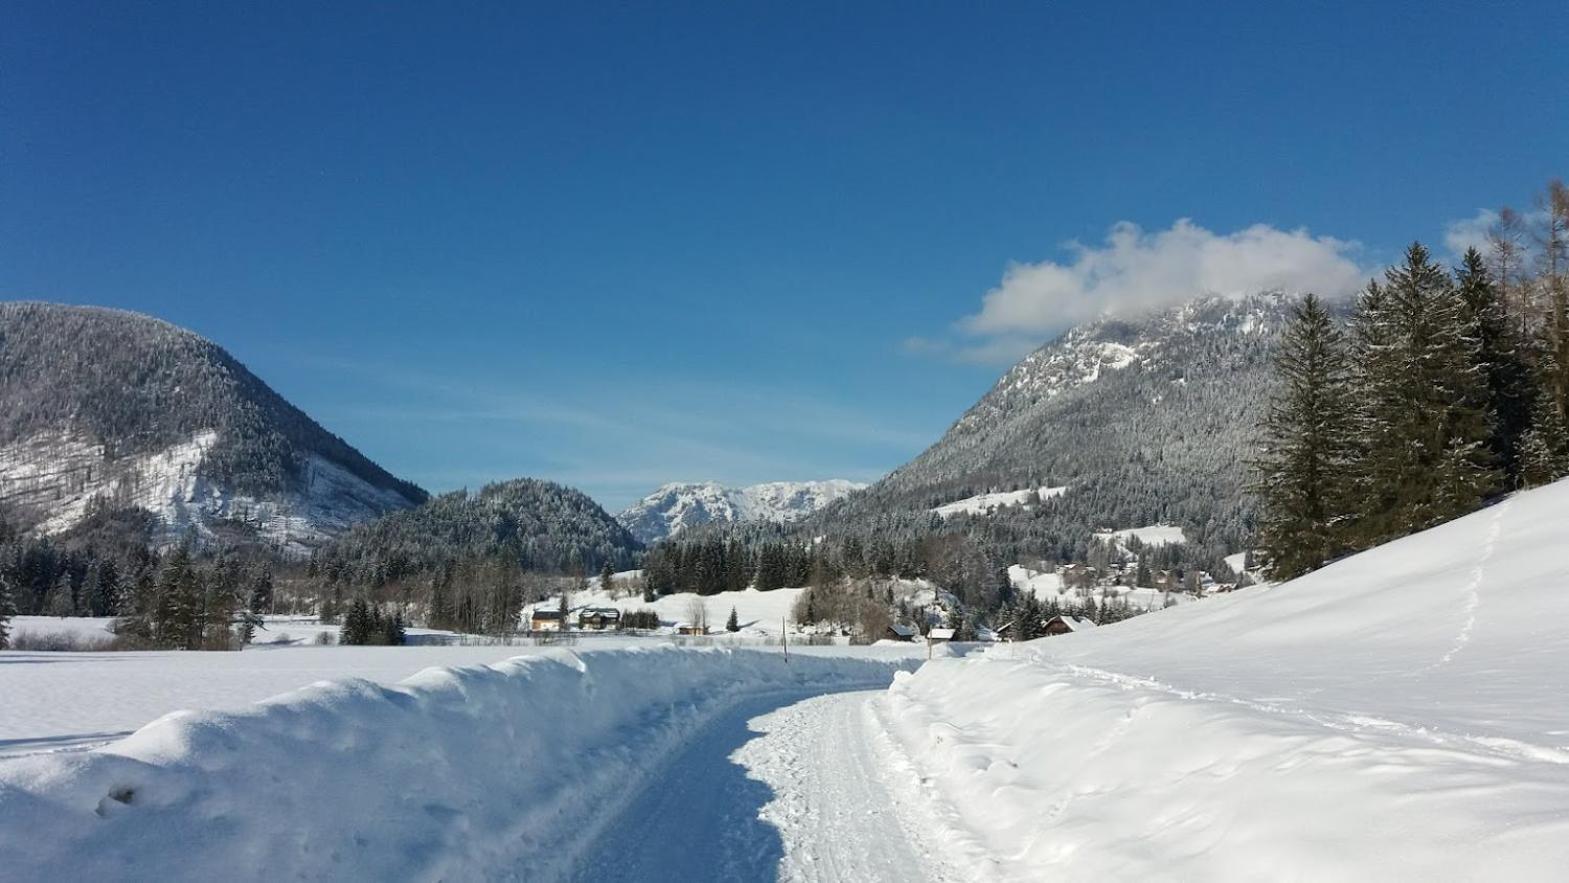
(738, 241)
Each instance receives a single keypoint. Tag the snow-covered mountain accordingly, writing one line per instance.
(677, 506)
(104, 409)
(1147, 419)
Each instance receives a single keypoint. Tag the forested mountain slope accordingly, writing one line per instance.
(108, 409)
(524, 523)
(1144, 420)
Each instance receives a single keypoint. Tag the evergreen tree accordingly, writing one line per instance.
(607, 581)
(1544, 449)
(732, 624)
(1504, 372)
(1422, 418)
(7, 609)
(58, 601)
(396, 634)
(1306, 447)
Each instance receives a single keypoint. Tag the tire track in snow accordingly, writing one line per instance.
(839, 818)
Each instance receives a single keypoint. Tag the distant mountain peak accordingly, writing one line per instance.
(676, 506)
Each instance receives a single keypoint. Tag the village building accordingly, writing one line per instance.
(901, 632)
(599, 619)
(1062, 625)
(543, 620)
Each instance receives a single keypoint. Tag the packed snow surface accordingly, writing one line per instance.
(1398, 715)
(981, 504)
(506, 771)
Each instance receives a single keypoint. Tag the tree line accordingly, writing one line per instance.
(170, 600)
(1442, 390)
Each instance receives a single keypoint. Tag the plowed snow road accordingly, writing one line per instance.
(774, 789)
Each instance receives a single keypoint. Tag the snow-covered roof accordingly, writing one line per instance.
(940, 634)
(904, 631)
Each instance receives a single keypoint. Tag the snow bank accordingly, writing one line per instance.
(457, 773)
(1397, 715)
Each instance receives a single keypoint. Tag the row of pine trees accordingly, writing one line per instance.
(1443, 390)
(168, 600)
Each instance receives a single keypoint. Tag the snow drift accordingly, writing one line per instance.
(490, 772)
(1397, 715)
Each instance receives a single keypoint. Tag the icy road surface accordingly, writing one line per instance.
(788, 788)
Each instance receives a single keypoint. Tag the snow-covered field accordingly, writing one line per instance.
(1048, 587)
(980, 504)
(1397, 715)
(760, 614)
(1151, 535)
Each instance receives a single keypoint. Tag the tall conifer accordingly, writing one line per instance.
(1306, 446)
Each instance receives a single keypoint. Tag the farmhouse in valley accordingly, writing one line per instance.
(546, 620)
(1062, 625)
(599, 619)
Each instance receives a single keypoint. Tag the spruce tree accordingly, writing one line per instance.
(7, 609)
(1306, 447)
(732, 624)
(1505, 374)
(1423, 420)
(1544, 449)
(59, 601)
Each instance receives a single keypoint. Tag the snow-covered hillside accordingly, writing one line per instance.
(109, 409)
(1396, 715)
(1048, 587)
(1152, 535)
(981, 504)
(65, 475)
(677, 506)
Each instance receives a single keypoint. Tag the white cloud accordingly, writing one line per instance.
(1136, 270)
(1469, 232)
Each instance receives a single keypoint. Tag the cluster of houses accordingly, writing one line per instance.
(1085, 576)
(589, 619)
(1057, 625)
(544, 620)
